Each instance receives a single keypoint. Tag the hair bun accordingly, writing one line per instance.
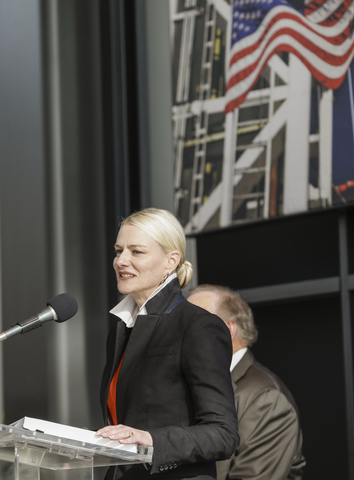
(185, 273)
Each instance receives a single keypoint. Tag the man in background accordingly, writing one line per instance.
(269, 427)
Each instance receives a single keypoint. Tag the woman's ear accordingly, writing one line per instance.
(174, 258)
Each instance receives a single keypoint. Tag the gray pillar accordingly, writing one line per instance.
(155, 102)
(52, 206)
(23, 216)
(76, 198)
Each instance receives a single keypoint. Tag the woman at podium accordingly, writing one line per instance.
(166, 382)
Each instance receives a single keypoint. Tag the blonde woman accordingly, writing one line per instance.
(167, 381)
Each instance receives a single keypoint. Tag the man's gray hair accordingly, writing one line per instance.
(233, 308)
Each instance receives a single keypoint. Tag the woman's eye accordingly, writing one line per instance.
(117, 252)
(137, 252)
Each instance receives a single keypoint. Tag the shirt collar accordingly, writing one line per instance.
(236, 357)
(127, 310)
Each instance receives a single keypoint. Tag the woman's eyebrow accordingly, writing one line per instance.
(131, 246)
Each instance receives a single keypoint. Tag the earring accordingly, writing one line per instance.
(164, 279)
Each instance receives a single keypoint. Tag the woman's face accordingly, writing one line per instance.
(140, 263)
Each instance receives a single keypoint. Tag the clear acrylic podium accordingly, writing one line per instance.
(32, 455)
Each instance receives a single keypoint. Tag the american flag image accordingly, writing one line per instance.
(319, 33)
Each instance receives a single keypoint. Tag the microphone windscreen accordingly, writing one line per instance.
(65, 306)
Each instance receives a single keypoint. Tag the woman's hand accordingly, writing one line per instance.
(126, 435)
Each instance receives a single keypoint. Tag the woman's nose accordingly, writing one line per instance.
(122, 259)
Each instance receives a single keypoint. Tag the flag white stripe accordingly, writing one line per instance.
(324, 11)
(329, 71)
(336, 50)
(329, 32)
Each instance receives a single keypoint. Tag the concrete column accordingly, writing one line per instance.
(155, 102)
(297, 138)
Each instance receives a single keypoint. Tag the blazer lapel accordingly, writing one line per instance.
(161, 302)
(142, 333)
(145, 326)
(122, 336)
(139, 339)
(242, 367)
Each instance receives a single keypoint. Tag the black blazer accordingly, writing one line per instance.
(174, 382)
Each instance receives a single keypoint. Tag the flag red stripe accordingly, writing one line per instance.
(337, 15)
(313, 6)
(322, 54)
(323, 79)
(338, 40)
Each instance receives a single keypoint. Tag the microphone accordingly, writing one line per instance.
(59, 308)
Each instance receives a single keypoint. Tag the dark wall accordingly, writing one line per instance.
(300, 339)
(271, 252)
(302, 343)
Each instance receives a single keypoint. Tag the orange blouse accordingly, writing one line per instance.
(112, 395)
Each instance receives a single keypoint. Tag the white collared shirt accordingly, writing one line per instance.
(236, 357)
(128, 309)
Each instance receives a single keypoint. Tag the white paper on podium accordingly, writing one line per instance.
(71, 433)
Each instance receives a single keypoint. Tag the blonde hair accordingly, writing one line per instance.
(167, 231)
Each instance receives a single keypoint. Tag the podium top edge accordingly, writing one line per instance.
(11, 436)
